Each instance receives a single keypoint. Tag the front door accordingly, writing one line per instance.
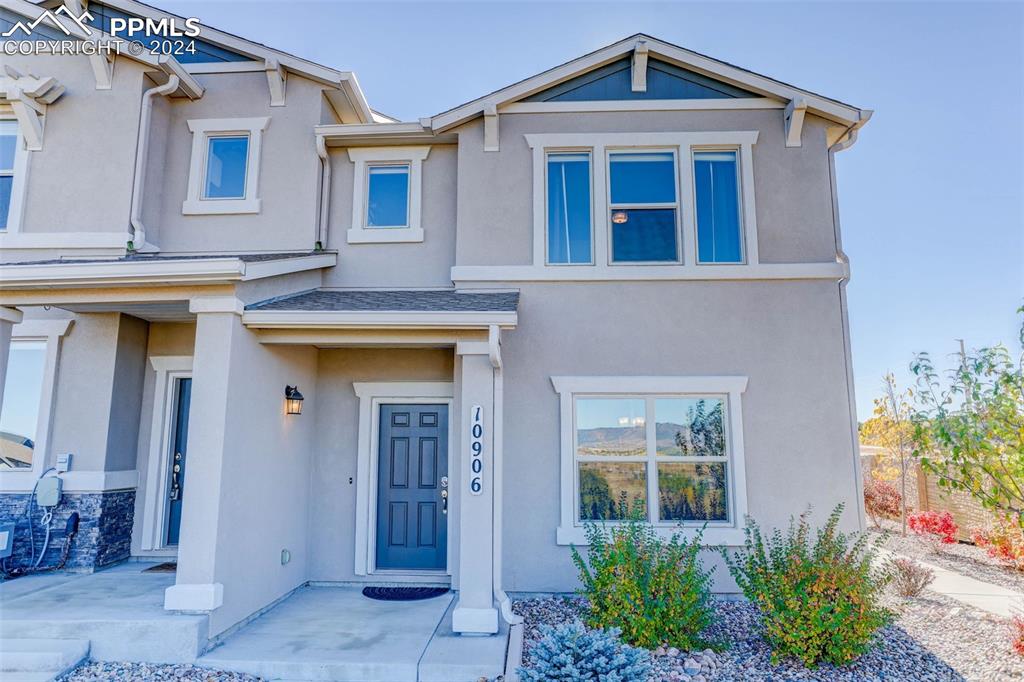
(412, 487)
(179, 437)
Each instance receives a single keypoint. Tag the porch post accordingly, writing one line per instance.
(475, 612)
(8, 318)
(218, 327)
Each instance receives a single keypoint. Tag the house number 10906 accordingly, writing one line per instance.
(476, 450)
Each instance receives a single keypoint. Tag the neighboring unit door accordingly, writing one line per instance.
(412, 488)
(176, 490)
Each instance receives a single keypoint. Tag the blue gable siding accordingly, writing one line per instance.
(614, 82)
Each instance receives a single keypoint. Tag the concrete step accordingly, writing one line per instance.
(40, 659)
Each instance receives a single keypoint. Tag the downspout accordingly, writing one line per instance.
(846, 140)
(494, 353)
(138, 240)
(324, 197)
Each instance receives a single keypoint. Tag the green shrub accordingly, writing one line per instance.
(655, 591)
(572, 653)
(818, 596)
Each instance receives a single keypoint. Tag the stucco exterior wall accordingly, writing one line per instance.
(785, 336)
(791, 185)
(332, 498)
(417, 264)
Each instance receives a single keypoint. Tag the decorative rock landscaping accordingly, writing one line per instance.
(98, 671)
(933, 639)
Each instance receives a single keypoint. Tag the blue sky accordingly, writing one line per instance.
(931, 196)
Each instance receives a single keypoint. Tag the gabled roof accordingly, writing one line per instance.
(831, 109)
(348, 99)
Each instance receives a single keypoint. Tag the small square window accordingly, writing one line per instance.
(226, 166)
(387, 196)
(643, 205)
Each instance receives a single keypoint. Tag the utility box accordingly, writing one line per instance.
(48, 491)
(6, 540)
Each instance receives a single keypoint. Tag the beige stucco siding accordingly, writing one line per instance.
(785, 336)
(416, 264)
(791, 185)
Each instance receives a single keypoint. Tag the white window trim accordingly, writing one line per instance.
(684, 143)
(371, 396)
(154, 516)
(20, 185)
(570, 531)
(202, 131)
(363, 158)
(51, 332)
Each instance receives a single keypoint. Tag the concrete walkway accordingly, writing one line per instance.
(996, 599)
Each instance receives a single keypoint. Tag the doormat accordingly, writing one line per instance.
(403, 593)
(166, 567)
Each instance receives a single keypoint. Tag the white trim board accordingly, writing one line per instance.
(641, 105)
(569, 531)
(51, 332)
(467, 275)
(355, 319)
(206, 129)
(168, 369)
(371, 395)
(364, 158)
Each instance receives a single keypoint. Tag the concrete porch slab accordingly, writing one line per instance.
(335, 633)
(119, 610)
(463, 658)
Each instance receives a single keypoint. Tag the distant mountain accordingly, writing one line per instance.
(607, 435)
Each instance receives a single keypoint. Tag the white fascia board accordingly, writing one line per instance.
(673, 54)
(197, 271)
(462, 274)
(350, 319)
(642, 105)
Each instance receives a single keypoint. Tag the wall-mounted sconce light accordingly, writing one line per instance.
(620, 217)
(292, 400)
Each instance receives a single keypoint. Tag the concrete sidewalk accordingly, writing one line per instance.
(996, 599)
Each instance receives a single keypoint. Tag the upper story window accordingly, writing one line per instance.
(570, 232)
(643, 206)
(717, 190)
(226, 165)
(670, 448)
(387, 194)
(223, 175)
(665, 204)
(8, 147)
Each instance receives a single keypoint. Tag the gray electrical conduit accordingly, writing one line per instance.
(138, 240)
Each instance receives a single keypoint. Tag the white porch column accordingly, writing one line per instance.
(218, 327)
(475, 612)
(8, 318)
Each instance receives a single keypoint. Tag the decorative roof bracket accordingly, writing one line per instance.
(102, 70)
(277, 79)
(794, 118)
(490, 128)
(640, 66)
(28, 96)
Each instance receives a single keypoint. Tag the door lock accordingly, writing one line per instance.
(444, 482)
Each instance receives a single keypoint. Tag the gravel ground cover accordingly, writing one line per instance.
(934, 639)
(97, 671)
(960, 557)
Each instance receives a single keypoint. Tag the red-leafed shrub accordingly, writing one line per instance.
(1017, 634)
(938, 528)
(1003, 541)
(882, 500)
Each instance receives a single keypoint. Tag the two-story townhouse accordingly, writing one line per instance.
(285, 338)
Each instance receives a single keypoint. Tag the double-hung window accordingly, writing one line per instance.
(668, 449)
(570, 231)
(643, 205)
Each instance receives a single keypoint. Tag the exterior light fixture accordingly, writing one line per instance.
(619, 217)
(292, 400)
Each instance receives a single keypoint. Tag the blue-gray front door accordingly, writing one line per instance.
(412, 487)
(176, 492)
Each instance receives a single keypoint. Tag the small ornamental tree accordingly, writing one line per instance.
(970, 433)
(891, 428)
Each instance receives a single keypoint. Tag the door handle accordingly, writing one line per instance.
(444, 501)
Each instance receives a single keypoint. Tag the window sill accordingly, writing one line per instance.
(220, 206)
(713, 535)
(384, 235)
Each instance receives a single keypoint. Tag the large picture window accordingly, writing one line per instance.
(668, 449)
